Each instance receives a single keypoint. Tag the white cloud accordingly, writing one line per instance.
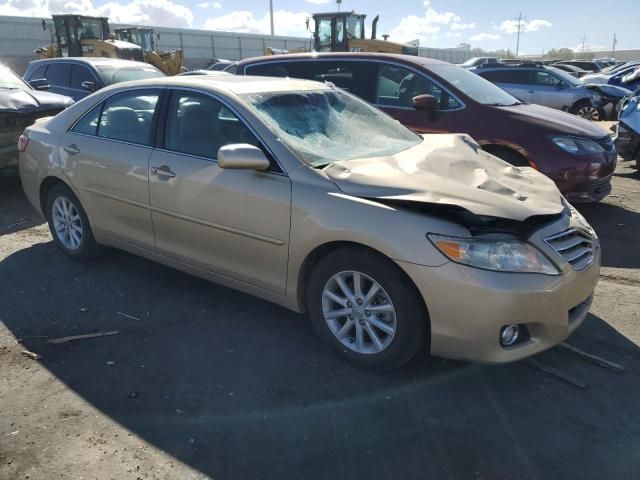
(453, 34)
(151, 12)
(463, 26)
(285, 23)
(209, 4)
(318, 2)
(511, 26)
(426, 26)
(484, 36)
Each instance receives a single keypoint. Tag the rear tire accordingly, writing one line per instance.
(379, 331)
(69, 224)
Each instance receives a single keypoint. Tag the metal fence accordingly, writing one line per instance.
(20, 36)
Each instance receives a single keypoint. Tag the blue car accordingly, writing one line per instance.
(613, 76)
(77, 77)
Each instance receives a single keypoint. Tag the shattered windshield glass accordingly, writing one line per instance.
(323, 127)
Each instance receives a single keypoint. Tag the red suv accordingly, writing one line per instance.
(578, 155)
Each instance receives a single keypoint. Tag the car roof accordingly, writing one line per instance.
(348, 55)
(236, 84)
(89, 61)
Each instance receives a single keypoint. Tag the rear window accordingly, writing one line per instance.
(115, 74)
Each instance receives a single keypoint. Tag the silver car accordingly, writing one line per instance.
(548, 86)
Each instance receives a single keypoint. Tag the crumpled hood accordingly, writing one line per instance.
(554, 121)
(451, 170)
(595, 78)
(31, 101)
(609, 90)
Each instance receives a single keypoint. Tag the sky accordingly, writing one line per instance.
(436, 23)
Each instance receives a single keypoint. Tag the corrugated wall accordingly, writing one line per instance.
(20, 36)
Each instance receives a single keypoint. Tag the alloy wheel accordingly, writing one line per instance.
(589, 112)
(359, 312)
(67, 222)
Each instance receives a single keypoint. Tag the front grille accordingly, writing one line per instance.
(574, 246)
(606, 143)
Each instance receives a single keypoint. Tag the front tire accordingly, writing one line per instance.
(69, 224)
(587, 111)
(366, 309)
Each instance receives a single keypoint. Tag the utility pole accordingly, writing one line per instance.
(613, 50)
(271, 15)
(520, 28)
(584, 41)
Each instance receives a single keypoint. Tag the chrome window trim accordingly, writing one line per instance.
(375, 60)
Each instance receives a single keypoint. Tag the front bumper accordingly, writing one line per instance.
(591, 191)
(468, 307)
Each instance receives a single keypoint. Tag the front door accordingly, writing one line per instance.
(549, 90)
(232, 222)
(106, 154)
(396, 87)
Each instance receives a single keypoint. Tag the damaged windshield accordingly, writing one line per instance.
(324, 127)
(10, 81)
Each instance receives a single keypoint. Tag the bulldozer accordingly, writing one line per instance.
(83, 36)
(344, 32)
(170, 63)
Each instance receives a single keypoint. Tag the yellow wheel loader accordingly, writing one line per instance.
(170, 63)
(344, 32)
(82, 36)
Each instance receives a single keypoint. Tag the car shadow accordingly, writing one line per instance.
(615, 226)
(236, 387)
(16, 213)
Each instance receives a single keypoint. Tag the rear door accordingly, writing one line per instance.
(395, 87)
(231, 222)
(80, 74)
(106, 156)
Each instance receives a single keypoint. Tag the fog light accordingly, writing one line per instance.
(509, 335)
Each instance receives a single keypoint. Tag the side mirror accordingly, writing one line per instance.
(561, 85)
(426, 103)
(242, 156)
(40, 84)
(88, 85)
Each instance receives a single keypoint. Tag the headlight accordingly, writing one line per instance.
(579, 146)
(491, 253)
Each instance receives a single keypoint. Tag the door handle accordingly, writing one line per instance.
(71, 149)
(163, 171)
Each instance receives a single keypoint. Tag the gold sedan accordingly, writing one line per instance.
(302, 194)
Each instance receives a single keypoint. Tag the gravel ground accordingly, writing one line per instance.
(201, 381)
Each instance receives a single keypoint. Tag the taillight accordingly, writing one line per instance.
(23, 141)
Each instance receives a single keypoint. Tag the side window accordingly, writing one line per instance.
(397, 86)
(39, 73)
(198, 124)
(127, 116)
(80, 74)
(540, 77)
(513, 76)
(58, 74)
(497, 76)
(324, 34)
(88, 124)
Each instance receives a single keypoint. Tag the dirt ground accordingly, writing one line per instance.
(204, 382)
